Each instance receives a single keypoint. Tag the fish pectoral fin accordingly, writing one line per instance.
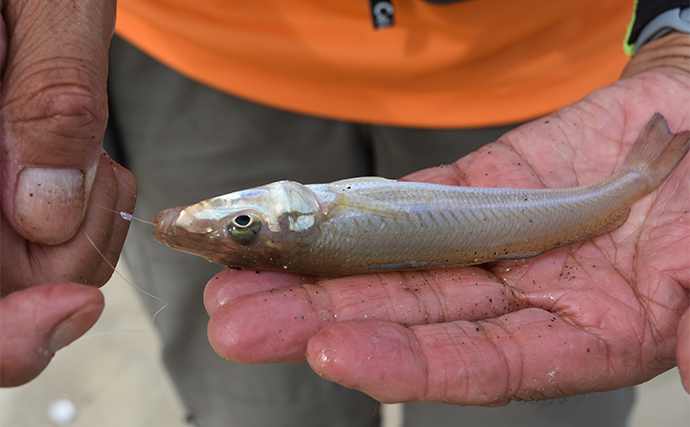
(370, 206)
(523, 255)
(408, 265)
(418, 265)
(382, 212)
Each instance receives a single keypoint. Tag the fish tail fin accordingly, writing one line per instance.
(657, 150)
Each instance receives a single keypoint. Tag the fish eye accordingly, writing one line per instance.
(244, 228)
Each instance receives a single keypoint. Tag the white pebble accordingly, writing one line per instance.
(62, 412)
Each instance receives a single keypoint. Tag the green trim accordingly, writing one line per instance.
(628, 48)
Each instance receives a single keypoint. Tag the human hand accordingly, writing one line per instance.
(53, 60)
(594, 316)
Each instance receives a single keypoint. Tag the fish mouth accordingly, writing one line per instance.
(165, 220)
(170, 232)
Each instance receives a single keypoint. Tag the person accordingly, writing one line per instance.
(152, 141)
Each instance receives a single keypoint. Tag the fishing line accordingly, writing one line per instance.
(165, 303)
(126, 216)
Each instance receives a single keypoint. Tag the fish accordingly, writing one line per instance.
(371, 224)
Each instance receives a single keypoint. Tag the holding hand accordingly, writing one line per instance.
(55, 182)
(594, 316)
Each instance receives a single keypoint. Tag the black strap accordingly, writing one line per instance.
(645, 11)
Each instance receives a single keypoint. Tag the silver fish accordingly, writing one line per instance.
(368, 225)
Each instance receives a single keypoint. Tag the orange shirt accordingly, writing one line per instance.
(465, 64)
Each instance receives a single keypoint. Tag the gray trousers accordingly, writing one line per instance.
(185, 142)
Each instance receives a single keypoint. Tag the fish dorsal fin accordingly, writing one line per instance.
(362, 179)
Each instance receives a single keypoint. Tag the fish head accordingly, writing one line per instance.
(252, 228)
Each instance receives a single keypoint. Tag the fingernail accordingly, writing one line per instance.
(49, 203)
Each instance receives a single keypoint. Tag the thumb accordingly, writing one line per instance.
(54, 112)
(38, 321)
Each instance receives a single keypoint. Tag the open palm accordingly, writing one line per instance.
(594, 316)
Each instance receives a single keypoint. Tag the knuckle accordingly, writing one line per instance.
(59, 110)
(73, 113)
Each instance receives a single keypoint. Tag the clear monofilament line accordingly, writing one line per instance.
(165, 303)
(126, 216)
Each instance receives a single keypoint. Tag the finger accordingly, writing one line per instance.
(30, 264)
(683, 350)
(223, 298)
(527, 355)
(230, 285)
(125, 202)
(276, 325)
(54, 112)
(3, 41)
(115, 191)
(38, 321)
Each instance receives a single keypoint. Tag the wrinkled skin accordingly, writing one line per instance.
(53, 60)
(595, 316)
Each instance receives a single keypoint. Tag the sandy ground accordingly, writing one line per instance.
(114, 378)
